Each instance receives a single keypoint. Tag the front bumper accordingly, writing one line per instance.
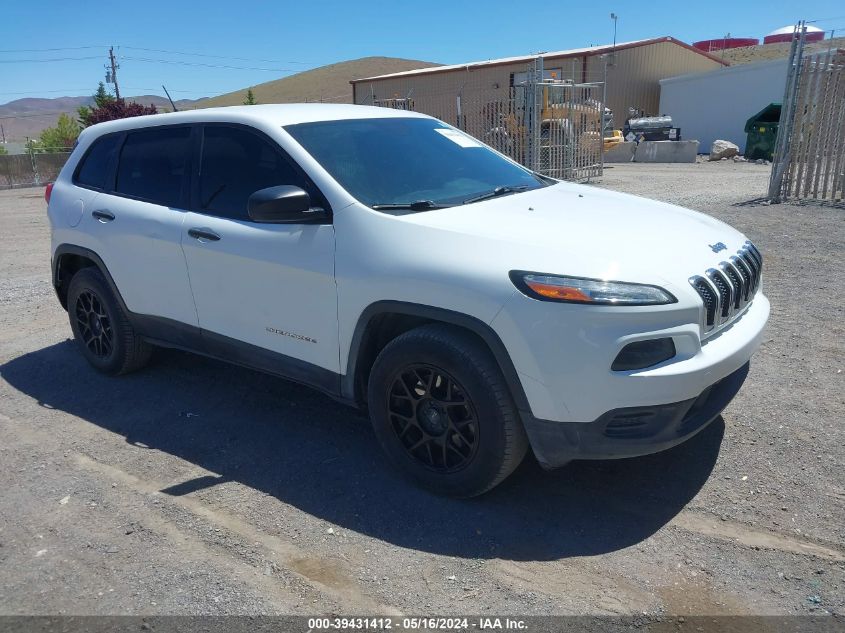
(631, 431)
(563, 354)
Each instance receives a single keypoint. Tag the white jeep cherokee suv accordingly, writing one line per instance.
(395, 263)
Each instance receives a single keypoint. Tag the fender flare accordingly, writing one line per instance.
(473, 324)
(81, 251)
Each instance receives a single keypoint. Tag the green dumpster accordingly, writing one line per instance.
(762, 131)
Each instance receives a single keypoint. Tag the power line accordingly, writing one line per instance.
(838, 17)
(137, 88)
(151, 50)
(43, 61)
(240, 59)
(181, 63)
(47, 50)
(26, 92)
(87, 89)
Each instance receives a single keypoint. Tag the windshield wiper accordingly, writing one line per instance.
(498, 191)
(419, 205)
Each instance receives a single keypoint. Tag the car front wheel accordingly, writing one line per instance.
(443, 413)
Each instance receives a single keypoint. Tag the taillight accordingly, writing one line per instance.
(48, 191)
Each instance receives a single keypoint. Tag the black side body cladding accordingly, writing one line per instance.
(173, 334)
(169, 333)
(429, 313)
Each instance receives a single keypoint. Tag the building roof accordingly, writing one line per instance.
(744, 68)
(731, 70)
(573, 52)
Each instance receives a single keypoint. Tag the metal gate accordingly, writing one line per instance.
(567, 130)
(809, 158)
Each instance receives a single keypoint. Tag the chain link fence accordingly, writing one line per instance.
(32, 169)
(809, 158)
(551, 126)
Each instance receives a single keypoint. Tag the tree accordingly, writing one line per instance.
(114, 109)
(101, 98)
(59, 138)
(250, 98)
(3, 151)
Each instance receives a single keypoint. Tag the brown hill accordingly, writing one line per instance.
(764, 52)
(24, 118)
(328, 83)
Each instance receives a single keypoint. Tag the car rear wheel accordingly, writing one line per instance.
(443, 413)
(101, 328)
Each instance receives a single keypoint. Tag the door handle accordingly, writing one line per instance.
(203, 234)
(103, 215)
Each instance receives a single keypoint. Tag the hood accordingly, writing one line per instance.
(585, 231)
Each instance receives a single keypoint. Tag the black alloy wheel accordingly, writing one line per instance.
(94, 324)
(101, 327)
(442, 411)
(433, 418)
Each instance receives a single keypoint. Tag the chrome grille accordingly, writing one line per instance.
(727, 289)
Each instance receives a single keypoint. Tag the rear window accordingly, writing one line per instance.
(153, 165)
(94, 167)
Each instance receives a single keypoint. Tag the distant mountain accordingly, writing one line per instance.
(27, 117)
(329, 83)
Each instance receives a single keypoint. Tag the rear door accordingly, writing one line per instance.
(267, 285)
(137, 223)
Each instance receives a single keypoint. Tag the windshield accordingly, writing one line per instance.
(410, 163)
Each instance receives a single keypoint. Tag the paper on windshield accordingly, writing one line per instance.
(458, 137)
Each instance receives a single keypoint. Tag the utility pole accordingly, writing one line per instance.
(114, 68)
(613, 17)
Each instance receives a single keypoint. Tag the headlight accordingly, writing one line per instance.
(592, 291)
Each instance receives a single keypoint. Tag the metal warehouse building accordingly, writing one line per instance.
(632, 71)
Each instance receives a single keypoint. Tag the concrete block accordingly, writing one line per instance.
(666, 152)
(620, 153)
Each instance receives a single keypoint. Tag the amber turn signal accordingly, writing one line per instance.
(565, 293)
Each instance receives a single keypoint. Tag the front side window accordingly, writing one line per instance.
(235, 164)
(94, 167)
(153, 165)
(416, 163)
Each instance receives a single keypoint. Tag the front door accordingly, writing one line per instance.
(265, 285)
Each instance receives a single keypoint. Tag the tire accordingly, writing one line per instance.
(443, 413)
(101, 328)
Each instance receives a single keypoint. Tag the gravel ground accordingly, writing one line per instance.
(194, 487)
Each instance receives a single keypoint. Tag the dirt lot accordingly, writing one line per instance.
(195, 487)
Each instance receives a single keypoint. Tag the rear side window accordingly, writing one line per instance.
(235, 164)
(93, 170)
(153, 165)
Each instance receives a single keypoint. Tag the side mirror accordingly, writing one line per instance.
(284, 204)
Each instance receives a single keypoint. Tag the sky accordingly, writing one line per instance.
(208, 48)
